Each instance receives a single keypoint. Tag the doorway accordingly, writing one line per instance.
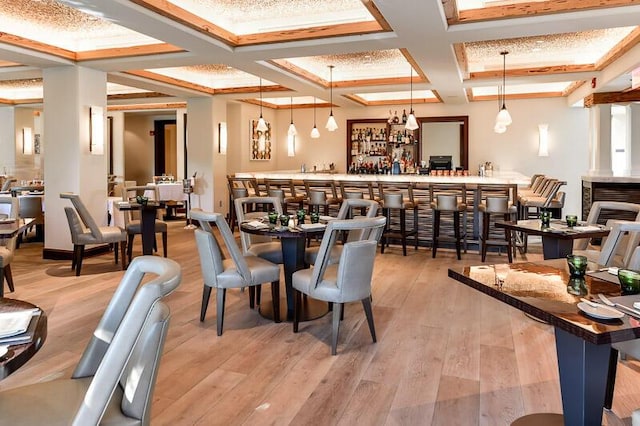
(165, 143)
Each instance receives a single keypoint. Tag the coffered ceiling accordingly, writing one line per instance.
(165, 51)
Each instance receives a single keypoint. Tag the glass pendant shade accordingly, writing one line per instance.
(292, 130)
(331, 123)
(315, 133)
(503, 117)
(262, 125)
(499, 128)
(412, 123)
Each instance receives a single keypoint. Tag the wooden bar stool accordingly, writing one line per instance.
(445, 198)
(393, 200)
(497, 200)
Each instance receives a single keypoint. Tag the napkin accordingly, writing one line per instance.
(312, 225)
(586, 228)
(13, 323)
(256, 224)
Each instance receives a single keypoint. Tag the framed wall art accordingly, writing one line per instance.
(260, 142)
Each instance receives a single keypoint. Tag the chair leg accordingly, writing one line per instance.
(507, 236)
(337, 312)
(485, 235)
(415, 228)
(74, 257)
(383, 240)
(275, 300)
(436, 232)
(366, 304)
(9, 277)
(123, 253)
(220, 296)
(403, 231)
(114, 246)
(206, 293)
(79, 260)
(252, 296)
(130, 238)
(164, 243)
(297, 306)
(1, 281)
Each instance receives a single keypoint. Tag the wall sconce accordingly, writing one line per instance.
(27, 141)
(96, 133)
(222, 138)
(543, 140)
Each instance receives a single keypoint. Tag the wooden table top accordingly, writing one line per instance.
(19, 354)
(9, 229)
(556, 229)
(541, 289)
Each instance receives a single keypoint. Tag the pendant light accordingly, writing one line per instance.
(315, 133)
(331, 122)
(292, 127)
(503, 119)
(499, 127)
(412, 124)
(262, 125)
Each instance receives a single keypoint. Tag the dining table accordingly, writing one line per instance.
(583, 333)
(11, 227)
(557, 237)
(293, 240)
(148, 213)
(28, 345)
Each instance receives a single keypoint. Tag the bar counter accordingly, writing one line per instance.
(420, 192)
(498, 178)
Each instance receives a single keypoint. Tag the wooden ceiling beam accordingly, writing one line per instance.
(612, 98)
(526, 72)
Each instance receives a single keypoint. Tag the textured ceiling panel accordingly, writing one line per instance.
(523, 88)
(215, 76)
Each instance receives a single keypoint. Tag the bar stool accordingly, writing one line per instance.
(497, 200)
(322, 194)
(393, 201)
(444, 198)
(288, 189)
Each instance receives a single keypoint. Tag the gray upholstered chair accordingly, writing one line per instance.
(84, 231)
(256, 245)
(31, 206)
(349, 280)
(133, 224)
(6, 256)
(9, 207)
(370, 208)
(113, 382)
(6, 185)
(237, 272)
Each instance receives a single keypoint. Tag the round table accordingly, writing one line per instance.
(19, 354)
(293, 242)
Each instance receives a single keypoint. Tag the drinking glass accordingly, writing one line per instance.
(284, 220)
(572, 220)
(273, 217)
(315, 217)
(577, 265)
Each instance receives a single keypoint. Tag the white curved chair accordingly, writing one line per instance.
(237, 272)
(114, 380)
(349, 280)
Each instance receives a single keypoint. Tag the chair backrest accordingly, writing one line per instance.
(83, 212)
(601, 211)
(125, 348)
(31, 206)
(210, 250)
(248, 239)
(622, 240)
(6, 185)
(9, 207)
(352, 267)
(75, 225)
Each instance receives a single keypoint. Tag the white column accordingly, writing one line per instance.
(203, 116)
(633, 138)
(7, 140)
(117, 155)
(600, 140)
(69, 92)
(180, 113)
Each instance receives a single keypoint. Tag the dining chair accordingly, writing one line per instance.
(235, 272)
(9, 207)
(6, 256)
(114, 380)
(370, 208)
(84, 230)
(257, 245)
(31, 206)
(133, 223)
(620, 244)
(349, 280)
(6, 185)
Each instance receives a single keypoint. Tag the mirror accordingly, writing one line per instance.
(447, 135)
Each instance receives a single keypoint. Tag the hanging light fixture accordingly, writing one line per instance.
(262, 125)
(292, 127)
(331, 122)
(412, 123)
(503, 119)
(315, 133)
(291, 133)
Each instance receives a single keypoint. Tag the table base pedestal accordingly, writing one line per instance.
(311, 309)
(541, 419)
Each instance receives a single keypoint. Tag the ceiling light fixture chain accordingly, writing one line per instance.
(503, 119)
(262, 125)
(412, 123)
(331, 122)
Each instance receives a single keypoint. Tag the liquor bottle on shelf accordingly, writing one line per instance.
(396, 120)
(404, 116)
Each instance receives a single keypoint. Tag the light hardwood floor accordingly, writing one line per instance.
(446, 354)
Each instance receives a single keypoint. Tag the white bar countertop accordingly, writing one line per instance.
(611, 179)
(498, 178)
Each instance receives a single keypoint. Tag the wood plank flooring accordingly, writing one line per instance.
(446, 354)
